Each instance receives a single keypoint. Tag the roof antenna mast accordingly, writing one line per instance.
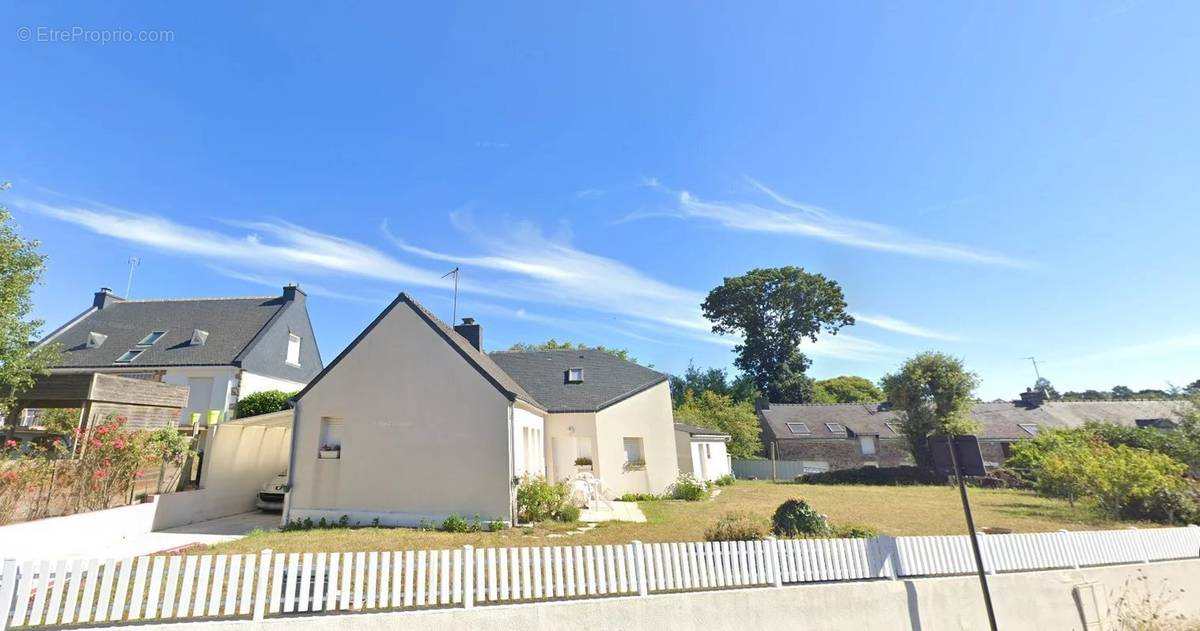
(133, 262)
(454, 314)
(1035, 367)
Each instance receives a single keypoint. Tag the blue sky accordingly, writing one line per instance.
(995, 180)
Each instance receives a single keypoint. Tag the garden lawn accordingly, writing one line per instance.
(892, 510)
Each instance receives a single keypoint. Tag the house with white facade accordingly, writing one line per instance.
(413, 422)
(220, 348)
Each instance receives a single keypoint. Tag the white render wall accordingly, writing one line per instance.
(706, 459)
(529, 442)
(646, 415)
(252, 382)
(224, 378)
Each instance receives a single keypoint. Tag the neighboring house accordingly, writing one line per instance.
(848, 435)
(425, 424)
(702, 452)
(220, 348)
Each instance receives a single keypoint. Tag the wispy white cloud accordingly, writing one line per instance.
(372, 297)
(789, 217)
(896, 325)
(1164, 347)
(589, 193)
(273, 245)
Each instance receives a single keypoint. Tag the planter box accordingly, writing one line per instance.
(329, 454)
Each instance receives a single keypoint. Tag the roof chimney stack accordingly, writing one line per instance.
(292, 292)
(473, 332)
(1033, 398)
(104, 298)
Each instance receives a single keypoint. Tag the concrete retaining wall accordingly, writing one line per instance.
(1024, 601)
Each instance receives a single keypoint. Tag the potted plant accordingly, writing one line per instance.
(583, 463)
(329, 452)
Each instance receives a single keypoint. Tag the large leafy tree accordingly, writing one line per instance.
(555, 345)
(846, 389)
(21, 268)
(773, 310)
(720, 411)
(717, 380)
(932, 393)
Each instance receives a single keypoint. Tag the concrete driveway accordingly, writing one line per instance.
(232, 527)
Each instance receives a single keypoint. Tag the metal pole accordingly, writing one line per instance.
(774, 475)
(962, 491)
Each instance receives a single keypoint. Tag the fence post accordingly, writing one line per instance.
(260, 589)
(886, 555)
(639, 557)
(773, 563)
(1071, 552)
(468, 577)
(8, 585)
(985, 553)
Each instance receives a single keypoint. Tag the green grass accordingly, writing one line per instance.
(892, 510)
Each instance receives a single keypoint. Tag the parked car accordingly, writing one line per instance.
(270, 496)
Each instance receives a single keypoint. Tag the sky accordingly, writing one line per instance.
(992, 180)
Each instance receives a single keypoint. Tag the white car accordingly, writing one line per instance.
(270, 496)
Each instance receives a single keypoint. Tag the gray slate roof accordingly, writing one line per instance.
(999, 421)
(696, 430)
(607, 379)
(232, 324)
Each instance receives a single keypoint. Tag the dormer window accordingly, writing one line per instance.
(574, 375)
(293, 349)
(95, 340)
(129, 356)
(199, 337)
(149, 340)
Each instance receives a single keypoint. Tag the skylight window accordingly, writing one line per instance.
(199, 337)
(149, 340)
(799, 428)
(574, 375)
(129, 356)
(835, 428)
(95, 340)
(1029, 428)
(894, 427)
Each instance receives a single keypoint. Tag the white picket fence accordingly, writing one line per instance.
(75, 592)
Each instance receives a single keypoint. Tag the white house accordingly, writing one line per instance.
(220, 348)
(702, 452)
(413, 422)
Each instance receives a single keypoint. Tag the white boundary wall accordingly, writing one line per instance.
(256, 586)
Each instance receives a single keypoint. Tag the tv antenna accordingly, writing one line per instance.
(1035, 367)
(133, 262)
(454, 313)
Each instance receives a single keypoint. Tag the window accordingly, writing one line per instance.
(149, 340)
(129, 356)
(708, 451)
(799, 428)
(95, 340)
(634, 456)
(574, 375)
(331, 435)
(867, 443)
(1029, 428)
(199, 337)
(293, 350)
(895, 427)
(835, 428)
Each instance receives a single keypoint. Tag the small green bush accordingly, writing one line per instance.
(263, 402)
(569, 513)
(725, 480)
(640, 497)
(456, 523)
(583, 461)
(539, 500)
(688, 488)
(736, 526)
(496, 525)
(795, 518)
(853, 531)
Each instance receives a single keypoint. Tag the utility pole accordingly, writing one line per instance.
(133, 262)
(454, 313)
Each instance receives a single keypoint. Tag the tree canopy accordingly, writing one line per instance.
(555, 345)
(933, 393)
(21, 267)
(846, 389)
(721, 412)
(699, 380)
(773, 310)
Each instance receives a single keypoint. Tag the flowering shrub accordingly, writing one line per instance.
(688, 488)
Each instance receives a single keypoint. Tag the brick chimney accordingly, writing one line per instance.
(292, 292)
(473, 332)
(104, 298)
(1033, 398)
